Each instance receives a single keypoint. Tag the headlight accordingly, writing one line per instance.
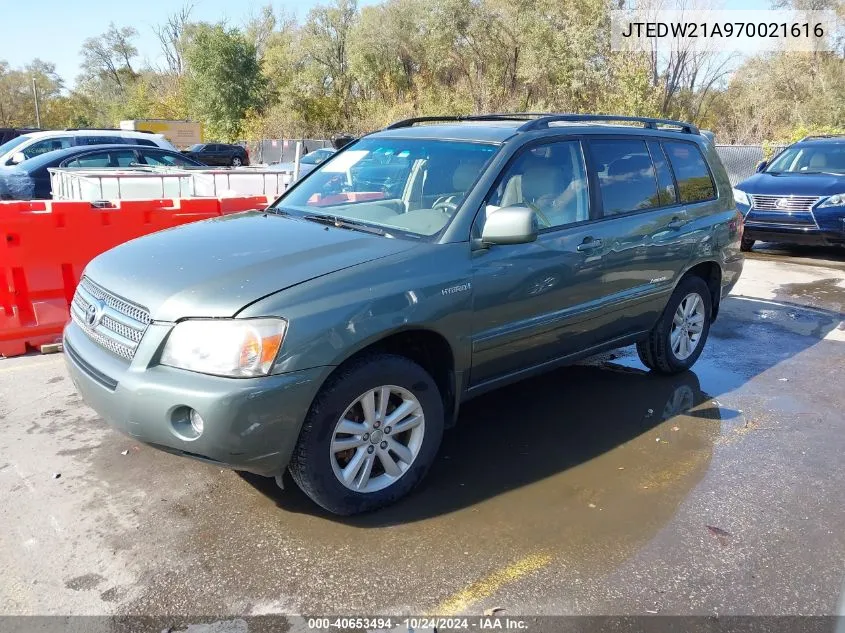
(741, 197)
(225, 347)
(837, 200)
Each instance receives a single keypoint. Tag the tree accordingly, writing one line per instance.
(223, 79)
(17, 101)
(171, 39)
(108, 57)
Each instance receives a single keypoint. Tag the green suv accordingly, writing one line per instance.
(337, 333)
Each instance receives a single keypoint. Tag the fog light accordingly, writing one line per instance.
(196, 422)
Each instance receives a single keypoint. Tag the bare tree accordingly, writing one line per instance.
(170, 37)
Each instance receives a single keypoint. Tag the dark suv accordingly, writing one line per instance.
(338, 332)
(798, 196)
(220, 154)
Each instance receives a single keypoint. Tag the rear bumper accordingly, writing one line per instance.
(249, 424)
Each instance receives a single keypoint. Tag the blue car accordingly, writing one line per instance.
(798, 197)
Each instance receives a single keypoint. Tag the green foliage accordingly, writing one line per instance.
(350, 69)
(223, 79)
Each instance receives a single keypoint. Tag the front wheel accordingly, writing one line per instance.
(677, 340)
(236, 161)
(370, 436)
(746, 244)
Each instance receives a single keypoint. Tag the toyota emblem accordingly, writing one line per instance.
(94, 314)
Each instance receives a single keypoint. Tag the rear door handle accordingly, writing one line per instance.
(676, 223)
(589, 244)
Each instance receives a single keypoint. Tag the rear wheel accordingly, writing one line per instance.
(677, 340)
(370, 436)
(746, 244)
(236, 161)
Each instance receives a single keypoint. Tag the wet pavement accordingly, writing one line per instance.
(595, 489)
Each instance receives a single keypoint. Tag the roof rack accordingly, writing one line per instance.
(540, 120)
(517, 116)
(103, 129)
(812, 136)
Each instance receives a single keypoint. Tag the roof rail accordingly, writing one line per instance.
(104, 129)
(539, 120)
(647, 122)
(812, 136)
(517, 116)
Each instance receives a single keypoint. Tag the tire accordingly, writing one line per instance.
(317, 468)
(236, 161)
(657, 351)
(746, 244)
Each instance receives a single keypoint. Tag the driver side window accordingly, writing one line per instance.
(551, 179)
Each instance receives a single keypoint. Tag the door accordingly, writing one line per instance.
(532, 302)
(211, 154)
(644, 231)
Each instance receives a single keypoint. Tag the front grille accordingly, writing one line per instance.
(784, 203)
(120, 324)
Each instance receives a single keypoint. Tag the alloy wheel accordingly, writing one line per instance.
(377, 439)
(687, 326)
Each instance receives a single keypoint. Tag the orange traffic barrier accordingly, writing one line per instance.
(45, 245)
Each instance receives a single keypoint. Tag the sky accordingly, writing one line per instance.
(53, 30)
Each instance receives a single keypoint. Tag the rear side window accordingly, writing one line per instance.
(100, 140)
(694, 181)
(626, 175)
(124, 157)
(166, 160)
(665, 184)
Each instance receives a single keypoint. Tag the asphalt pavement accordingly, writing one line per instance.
(595, 489)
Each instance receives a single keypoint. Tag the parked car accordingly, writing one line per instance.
(337, 333)
(308, 162)
(797, 197)
(8, 133)
(30, 180)
(32, 144)
(219, 154)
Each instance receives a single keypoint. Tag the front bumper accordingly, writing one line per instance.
(250, 424)
(824, 226)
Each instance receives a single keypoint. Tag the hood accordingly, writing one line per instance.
(793, 184)
(217, 267)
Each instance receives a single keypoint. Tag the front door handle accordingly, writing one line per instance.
(589, 244)
(676, 223)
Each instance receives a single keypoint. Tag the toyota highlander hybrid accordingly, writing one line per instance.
(337, 333)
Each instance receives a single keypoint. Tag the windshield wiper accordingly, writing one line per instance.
(333, 220)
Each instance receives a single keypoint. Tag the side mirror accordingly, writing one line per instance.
(17, 157)
(761, 166)
(510, 225)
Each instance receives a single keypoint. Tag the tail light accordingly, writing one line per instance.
(737, 225)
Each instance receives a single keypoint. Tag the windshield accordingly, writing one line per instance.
(810, 159)
(413, 185)
(8, 146)
(195, 148)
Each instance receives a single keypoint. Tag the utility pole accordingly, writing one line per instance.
(37, 111)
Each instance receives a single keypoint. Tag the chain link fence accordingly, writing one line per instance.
(740, 161)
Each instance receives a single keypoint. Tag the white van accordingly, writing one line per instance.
(32, 144)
